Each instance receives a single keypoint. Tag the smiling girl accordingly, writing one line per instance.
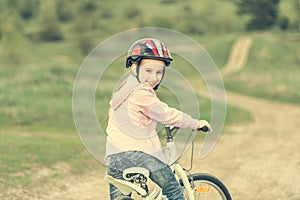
(134, 112)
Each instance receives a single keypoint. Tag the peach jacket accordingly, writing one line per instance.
(134, 113)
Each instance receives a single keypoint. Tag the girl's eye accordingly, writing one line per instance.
(148, 70)
(159, 72)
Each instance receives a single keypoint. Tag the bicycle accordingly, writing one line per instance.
(195, 186)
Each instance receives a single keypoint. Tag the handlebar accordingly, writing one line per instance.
(203, 129)
(170, 131)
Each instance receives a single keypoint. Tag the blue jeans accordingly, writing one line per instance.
(160, 173)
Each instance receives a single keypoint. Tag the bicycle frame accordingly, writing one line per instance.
(183, 176)
(127, 187)
(198, 185)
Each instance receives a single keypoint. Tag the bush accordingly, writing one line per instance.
(51, 32)
(283, 23)
(88, 6)
(132, 12)
(50, 27)
(64, 11)
(263, 14)
(85, 43)
(28, 8)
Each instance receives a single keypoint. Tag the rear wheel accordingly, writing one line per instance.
(206, 186)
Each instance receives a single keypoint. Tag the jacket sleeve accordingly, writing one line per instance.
(148, 104)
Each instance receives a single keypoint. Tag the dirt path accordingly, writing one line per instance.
(259, 160)
(238, 56)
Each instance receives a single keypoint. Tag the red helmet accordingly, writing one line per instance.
(148, 48)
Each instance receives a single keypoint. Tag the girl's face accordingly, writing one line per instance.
(151, 72)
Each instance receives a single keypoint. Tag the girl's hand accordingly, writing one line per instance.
(204, 126)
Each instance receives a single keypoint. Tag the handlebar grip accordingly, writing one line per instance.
(203, 129)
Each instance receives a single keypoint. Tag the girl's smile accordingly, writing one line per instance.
(151, 72)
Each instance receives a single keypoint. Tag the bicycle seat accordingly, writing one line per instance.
(124, 186)
(132, 171)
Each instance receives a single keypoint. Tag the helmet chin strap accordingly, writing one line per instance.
(135, 72)
(163, 74)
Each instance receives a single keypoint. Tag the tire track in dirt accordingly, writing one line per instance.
(238, 56)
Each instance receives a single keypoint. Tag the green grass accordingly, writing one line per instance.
(272, 71)
(37, 94)
(24, 154)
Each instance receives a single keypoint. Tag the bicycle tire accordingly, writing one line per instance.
(124, 198)
(208, 186)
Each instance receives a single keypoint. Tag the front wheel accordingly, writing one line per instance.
(206, 186)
